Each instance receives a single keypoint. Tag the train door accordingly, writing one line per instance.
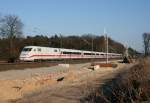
(60, 54)
(39, 53)
(34, 54)
(82, 54)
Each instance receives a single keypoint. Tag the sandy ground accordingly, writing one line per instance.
(41, 86)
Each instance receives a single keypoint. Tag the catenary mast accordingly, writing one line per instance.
(106, 41)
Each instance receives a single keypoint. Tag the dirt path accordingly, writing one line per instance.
(44, 87)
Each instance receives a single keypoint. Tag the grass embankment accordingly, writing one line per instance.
(132, 86)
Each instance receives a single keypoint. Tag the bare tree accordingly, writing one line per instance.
(146, 41)
(11, 28)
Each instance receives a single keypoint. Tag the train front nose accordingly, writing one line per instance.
(23, 56)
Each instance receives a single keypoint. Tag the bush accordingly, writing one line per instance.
(129, 87)
(12, 59)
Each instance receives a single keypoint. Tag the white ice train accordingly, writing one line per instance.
(32, 53)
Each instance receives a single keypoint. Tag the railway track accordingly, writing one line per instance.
(32, 65)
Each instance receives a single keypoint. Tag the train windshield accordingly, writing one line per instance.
(27, 49)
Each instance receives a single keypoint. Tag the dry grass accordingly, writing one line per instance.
(129, 87)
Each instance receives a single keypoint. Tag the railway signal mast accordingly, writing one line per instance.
(126, 51)
(106, 41)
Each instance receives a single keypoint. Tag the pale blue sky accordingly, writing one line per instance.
(124, 20)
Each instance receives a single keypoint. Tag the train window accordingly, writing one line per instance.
(55, 50)
(27, 49)
(76, 53)
(39, 49)
(66, 52)
(34, 49)
(87, 53)
(71, 53)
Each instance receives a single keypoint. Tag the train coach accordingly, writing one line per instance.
(33, 53)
